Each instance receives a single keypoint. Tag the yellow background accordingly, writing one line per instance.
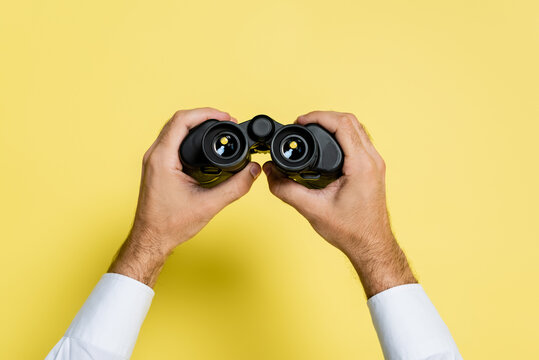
(448, 90)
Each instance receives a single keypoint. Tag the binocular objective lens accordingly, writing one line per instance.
(293, 148)
(225, 145)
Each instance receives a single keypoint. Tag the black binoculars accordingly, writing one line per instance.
(215, 150)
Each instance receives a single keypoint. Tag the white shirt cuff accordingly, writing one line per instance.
(408, 325)
(111, 317)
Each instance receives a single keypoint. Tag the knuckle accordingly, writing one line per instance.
(235, 191)
(343, 118)
(175, 117)
(350, 116)
(369, 167)
(283, 193)
(382, 164)
(153, 161)
(145, 157)
(240, 189)
(210, 207)
(275, 188)
(347, 119)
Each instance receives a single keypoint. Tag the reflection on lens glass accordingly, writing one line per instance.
(225, 145)
(293, 148)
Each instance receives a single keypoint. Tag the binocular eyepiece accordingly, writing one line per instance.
(215, 150)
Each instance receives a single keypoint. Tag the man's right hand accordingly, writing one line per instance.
(172, 206)
(351, 212)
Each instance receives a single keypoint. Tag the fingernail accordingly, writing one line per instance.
(255, 171)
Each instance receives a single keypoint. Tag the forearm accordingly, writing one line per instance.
(380, 263)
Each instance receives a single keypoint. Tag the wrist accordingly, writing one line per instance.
(380, 263)
(141, 257)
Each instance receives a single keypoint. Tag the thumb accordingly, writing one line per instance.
(236, 186)
(286, 189)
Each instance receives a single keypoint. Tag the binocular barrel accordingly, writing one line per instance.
(215, 150)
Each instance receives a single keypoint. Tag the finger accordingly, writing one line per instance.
(178, 127)
(341, 124)
(366, 140)
(288, 190)
(364, 135)
(234, 187)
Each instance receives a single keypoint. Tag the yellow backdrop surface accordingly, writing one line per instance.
(448, 90)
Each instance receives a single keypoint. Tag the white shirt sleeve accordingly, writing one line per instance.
(107, 325)
(409, 327)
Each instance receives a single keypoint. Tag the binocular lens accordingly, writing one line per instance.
(293, 148)
(226, 145)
